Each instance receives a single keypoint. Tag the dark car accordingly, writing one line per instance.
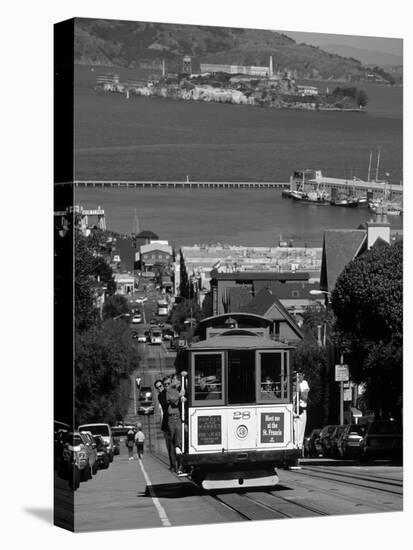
(314, 445)
(145, 394)
(75, 465)
(145, 404)
(325, 441)
(349, 441)
(334, 439)
(146, 408)
(382, 439)
(102, 458)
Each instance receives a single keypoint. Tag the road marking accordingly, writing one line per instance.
(161, 512)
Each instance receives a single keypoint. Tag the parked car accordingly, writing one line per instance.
(349, 441)
(91, 448)
(103, 430)
(75, 461)
(325, 441)
(382, 439)
(136, 319)
(334, 438)
(141, 338)
(61, 429)
(314, 445)
(102, 453)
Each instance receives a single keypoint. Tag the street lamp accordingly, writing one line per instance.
(317, 292)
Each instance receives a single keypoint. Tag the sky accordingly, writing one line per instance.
(386, 45)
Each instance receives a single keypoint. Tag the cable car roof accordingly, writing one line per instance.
(239, 342)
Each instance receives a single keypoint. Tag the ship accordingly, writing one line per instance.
(346, 202)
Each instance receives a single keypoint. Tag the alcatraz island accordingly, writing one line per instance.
(237, 84)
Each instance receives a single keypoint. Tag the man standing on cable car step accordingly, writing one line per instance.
(300, 417)
(161, 386)
(174, 397)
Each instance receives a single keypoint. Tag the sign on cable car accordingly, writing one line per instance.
(341, 373)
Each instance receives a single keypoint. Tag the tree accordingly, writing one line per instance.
(104, 356)
(186, 309)
(368, 304)
(361, 98)
(114, 306)
(310, 358)
(86, 312)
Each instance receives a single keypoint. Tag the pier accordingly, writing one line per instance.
(181, 184)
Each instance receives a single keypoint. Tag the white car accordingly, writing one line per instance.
(141, 300)
(137, 319)
(141, 338)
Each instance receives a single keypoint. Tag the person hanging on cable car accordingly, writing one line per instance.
(174, 397)
(301, 389)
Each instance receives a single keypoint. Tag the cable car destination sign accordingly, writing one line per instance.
(341, 373)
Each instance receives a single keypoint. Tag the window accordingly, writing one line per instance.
(241, 377)
(272, 376)
(207, 384)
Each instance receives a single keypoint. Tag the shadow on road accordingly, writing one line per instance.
(172, 490)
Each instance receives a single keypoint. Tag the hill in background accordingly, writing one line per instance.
(145, 45)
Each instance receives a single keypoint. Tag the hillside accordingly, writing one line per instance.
(144, 45)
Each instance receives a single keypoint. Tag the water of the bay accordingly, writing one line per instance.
(162, 139)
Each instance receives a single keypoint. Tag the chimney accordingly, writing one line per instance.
(379, 228)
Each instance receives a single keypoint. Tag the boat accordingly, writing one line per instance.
(315, 197)
(347, 202)
(390, 208)
(363, 200)
(297, 195)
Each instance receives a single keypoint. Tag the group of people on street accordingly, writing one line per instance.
(135, 438)
(171, 397)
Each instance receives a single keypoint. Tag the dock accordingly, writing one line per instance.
(181, 184)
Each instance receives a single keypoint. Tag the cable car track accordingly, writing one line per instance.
(339, 478)
(375, 479)
(291, 509)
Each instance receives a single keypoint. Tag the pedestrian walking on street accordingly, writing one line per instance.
(130, 440)
(139, 441)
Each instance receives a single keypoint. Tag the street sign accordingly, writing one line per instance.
(341, 373)
(347, 395)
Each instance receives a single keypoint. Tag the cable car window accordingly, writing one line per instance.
(241, 377)
(272, 377)
(207, 377)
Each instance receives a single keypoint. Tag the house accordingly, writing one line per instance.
(250, 280)
(284, 326)
(125, 283)
(341, 246)
(157, 257)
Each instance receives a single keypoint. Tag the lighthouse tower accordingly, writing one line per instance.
(270, 71)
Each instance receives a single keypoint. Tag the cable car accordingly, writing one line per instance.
(238, 418)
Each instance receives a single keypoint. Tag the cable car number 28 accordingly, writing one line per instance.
(241, 415)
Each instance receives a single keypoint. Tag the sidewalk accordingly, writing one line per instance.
(117, 498)
(135, 494)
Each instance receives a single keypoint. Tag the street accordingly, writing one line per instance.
(133, 494)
